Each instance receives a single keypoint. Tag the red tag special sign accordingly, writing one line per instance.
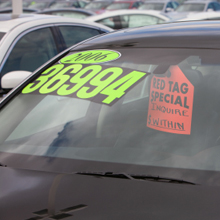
(171, 103)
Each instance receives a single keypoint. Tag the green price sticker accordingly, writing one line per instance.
(100, 84)
(91, 57)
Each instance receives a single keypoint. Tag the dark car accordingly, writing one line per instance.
(122, 126)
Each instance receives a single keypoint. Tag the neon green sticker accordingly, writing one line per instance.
(91, 56)
(101, 84)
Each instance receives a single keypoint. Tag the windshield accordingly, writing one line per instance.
(152, 6)
(118, 6)
(141, 107)
(191, 7)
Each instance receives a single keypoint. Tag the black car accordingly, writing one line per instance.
(122, 126)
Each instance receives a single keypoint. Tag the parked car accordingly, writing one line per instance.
(26, 43)
(199, 6)
(97, 6)
(68, 4)
(41, 4)
(68, 12)
(119, 5)
(163, 6)
(190, 7)
(121, 126)
(119, 19)
(214, 15)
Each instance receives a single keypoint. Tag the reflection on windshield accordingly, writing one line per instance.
(169, 119)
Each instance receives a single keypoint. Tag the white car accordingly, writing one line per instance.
(202, 16)
(193, 7)
(129, 18)
(27, 43)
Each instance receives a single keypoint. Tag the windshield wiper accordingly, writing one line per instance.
(136, 177)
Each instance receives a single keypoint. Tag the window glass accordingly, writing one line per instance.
(108, 22)
(142, 20)
(191, 7)
(174, 4)
(135, 5)
(211, 6)
(75, 34)
(169, 5)
(169, 119)
(31, 51)
(152, 6)
(128, 21)
(118, 6)
(96, 5)
(82, 4)
(216, 6)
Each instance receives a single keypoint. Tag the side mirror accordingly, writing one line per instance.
(14, 78)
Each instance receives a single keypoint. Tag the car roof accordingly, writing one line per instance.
(67, 9)
(127, 11)
(6, 26)
(202, 16)
(197, 2)
(200, 34)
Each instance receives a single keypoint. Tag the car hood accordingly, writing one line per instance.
(27, 194)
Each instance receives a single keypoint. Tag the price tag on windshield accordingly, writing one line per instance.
(171, 103)
(100, 84)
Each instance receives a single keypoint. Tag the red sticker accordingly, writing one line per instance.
(171, 103)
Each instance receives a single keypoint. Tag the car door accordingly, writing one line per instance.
(72, 34)
(30, 50)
